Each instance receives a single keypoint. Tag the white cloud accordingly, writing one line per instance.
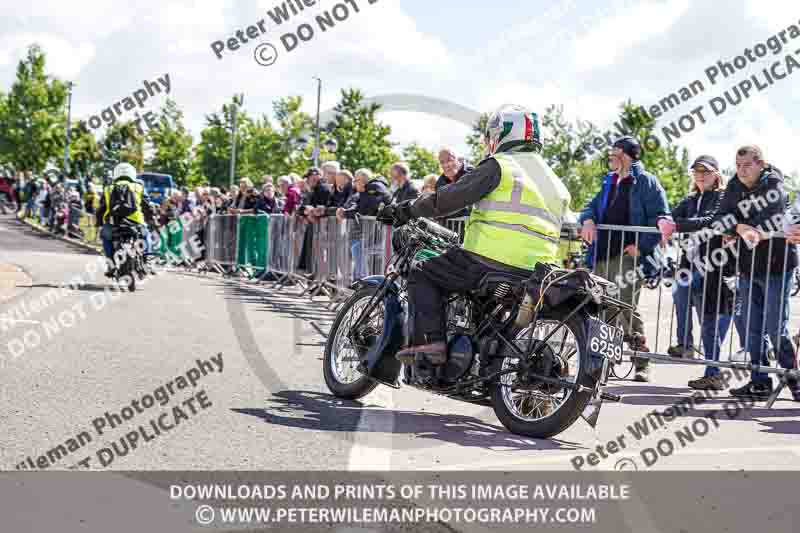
(606, 41)
(65, 59)
(577, 53)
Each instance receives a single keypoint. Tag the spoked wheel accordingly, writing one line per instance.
(347, 345)
(527, 406)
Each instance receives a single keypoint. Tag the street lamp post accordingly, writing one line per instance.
(233, 139)
(316, 143)
(69, 126)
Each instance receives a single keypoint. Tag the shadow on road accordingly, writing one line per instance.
(46, 239)
(283, 303)
(324, 412)
(89, 287)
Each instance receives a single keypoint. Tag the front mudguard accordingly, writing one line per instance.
(381, 363)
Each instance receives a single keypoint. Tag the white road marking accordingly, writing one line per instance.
(374, 433)
(18, 321)
(565, 458)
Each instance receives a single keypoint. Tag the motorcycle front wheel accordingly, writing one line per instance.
(535, 409)
(343, 353)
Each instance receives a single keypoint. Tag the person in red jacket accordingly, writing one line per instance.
(290, 194)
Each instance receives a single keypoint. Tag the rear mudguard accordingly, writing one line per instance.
(381, 363)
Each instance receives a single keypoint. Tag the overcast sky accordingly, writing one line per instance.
(586, 55)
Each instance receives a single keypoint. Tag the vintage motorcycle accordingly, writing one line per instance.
(533, 348)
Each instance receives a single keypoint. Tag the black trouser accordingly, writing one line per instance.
(456, 271)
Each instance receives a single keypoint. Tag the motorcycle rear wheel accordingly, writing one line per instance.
(542, 414)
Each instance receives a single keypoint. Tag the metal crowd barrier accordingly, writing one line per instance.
(346, 251)
(663, 269)
(222, 240)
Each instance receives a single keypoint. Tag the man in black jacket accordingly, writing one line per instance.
(317, 196)
(454, 168)
(753, 205)
(401, 176)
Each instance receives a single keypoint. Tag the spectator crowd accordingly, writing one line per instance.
(745, 209)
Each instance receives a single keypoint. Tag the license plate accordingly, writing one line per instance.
(605, 340)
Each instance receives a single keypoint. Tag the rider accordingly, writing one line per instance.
(515, 223)
(123, 203)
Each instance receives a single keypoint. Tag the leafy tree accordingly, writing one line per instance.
(84, 152)
(214, 150)
(420, 160)
(669, 163)
(475, 139)
(275, 149)
(32, 115)
(172, 144)
(562, 151)
(362, 140)
(123, 143)
(259, 153)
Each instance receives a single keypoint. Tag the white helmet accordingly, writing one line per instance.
(512, 126)
(124, 169)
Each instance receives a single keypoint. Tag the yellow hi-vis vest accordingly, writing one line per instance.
(519, 223)
(138, 195)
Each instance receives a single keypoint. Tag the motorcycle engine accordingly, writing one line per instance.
(461, 353)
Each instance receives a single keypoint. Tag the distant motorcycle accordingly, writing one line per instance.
(129, 260)
(532, 348)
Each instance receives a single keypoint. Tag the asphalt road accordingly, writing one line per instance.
(269, 407)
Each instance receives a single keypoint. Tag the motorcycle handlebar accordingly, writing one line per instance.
(437, 230)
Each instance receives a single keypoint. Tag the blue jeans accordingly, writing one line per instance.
(358, 260)
(148, 240)
(108, 244)
(768, 318)
(685, 299)
(712, 344)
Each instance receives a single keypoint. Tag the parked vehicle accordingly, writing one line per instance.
(158, 186)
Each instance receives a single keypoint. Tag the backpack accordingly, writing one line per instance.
(122, 201)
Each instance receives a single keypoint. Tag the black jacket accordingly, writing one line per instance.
(368, 202)
(688, 215)
(318, 197)
(339, 197)
(266, 206)
(762, 207)
(451, 200)
(407, 192)
(444, 181)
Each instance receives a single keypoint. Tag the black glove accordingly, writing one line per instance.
(386, 214)
(402, 213)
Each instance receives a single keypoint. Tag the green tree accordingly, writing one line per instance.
(214, 150)
(420, 160)
(274, 148)
(172, 145)
(32, 117)
(561, 148)
(123, 142)
(475, 139)
(668, 162)
(84, 152)
(362, 140)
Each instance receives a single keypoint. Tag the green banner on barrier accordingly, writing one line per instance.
(170, 241)
(253, 241)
